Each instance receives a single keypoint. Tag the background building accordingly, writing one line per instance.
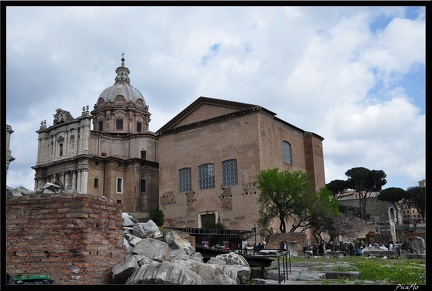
(410, 215)
(383, 211)
(377, 209)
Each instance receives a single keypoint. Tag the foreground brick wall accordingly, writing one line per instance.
(74, 238)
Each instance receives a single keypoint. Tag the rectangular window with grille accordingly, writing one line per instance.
(185, 180)
(229, 172)
(206, 176)
(96, 183)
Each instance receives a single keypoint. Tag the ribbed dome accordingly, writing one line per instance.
(122, 87)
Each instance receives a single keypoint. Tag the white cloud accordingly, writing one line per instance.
(340, 72)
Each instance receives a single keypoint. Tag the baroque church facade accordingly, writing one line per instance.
(116, 159)
(200, 165)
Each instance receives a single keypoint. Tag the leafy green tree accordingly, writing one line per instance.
(157, 216)
(219, 225)
(364, 182)
(393, 195)
(337, 186)
(283, 195)
(321, 214)
(416, 198)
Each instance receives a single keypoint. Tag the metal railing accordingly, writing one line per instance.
(286, 262)
(283, 263)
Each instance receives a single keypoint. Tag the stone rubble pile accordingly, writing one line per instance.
(166, 258)
(47, 188)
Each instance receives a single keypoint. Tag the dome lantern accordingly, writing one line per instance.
(122, 86)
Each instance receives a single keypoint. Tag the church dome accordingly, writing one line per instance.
(122, 87)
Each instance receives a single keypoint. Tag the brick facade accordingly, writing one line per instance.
(76, 239)
(205, 133)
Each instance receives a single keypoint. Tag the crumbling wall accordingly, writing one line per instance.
(74, 238)
(291, 238)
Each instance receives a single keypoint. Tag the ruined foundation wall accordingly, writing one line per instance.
(74, 238)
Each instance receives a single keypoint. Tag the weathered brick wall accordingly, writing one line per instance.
(74, 238)
(275, 240)
(254, 140)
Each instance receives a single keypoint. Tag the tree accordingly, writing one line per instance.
(364, 182)
(348, 224)
(209, 221)
(416, 198)
(157, 216)
(336, 186)
(321, 214)
(355, 211)
(283, 195)
(393, 195)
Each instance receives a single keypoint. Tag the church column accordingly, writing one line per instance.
(36, 184)
(40, 152)
(79, 141)
(62, 179)
(131, 123)
(84, 181)
(66, 183)
(74, 180)
(85, 136)
(79, 181)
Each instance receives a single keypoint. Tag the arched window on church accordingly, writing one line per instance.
(229, 172)
(286, 153)
(185, 180)
(206, 176)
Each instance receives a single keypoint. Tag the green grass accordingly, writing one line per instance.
(391, 271)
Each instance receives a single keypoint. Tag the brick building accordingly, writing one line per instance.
(202, 164)
(210, 155)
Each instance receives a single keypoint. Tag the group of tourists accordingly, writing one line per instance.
(351, 248)
(318, 249)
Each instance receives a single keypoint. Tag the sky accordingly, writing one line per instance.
(354, 75)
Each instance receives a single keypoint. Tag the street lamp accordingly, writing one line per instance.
(254, 230)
